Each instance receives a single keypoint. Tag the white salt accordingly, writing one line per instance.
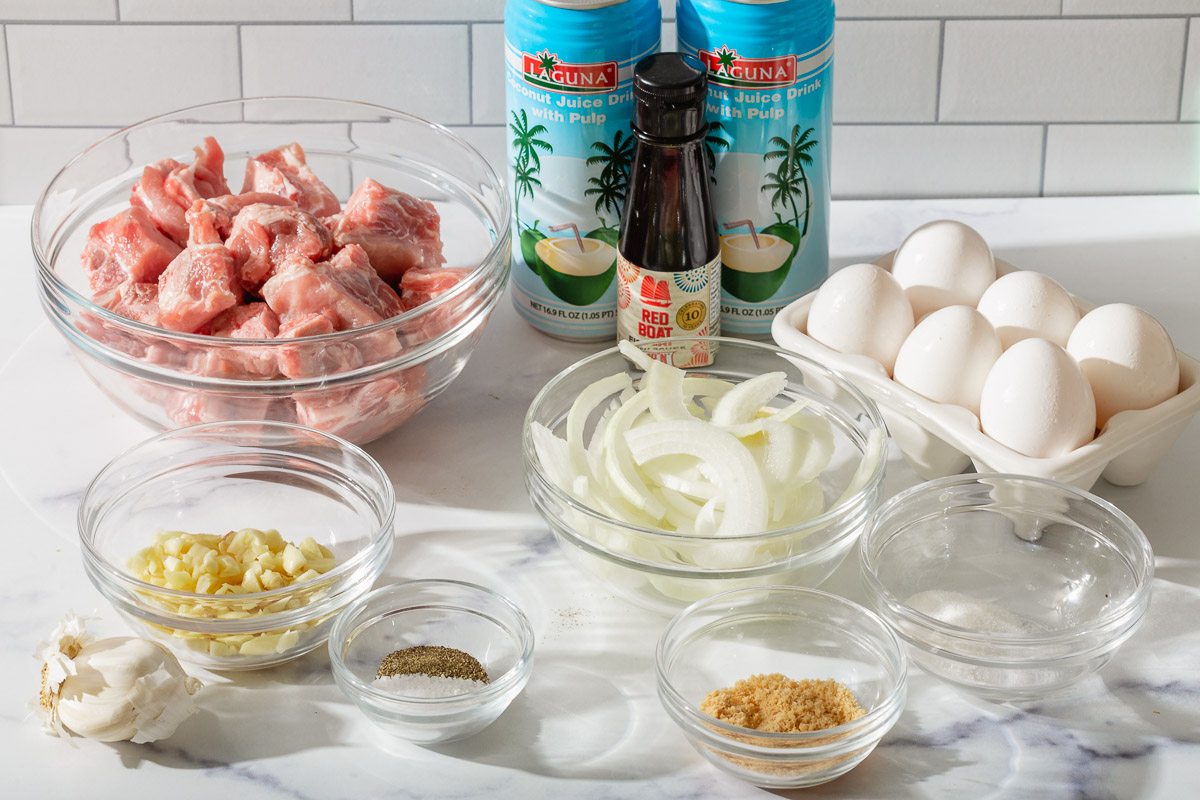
(426, 686)
(955, 608)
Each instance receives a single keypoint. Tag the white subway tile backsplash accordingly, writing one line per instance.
(1122, 159)
(129, 73)
(30, 157)
(886, 71)
(487, 74)
(936, 160)
(491, 141)
(234, 10)
(428, 10)
(1190, 101)
(948, 8)
(1030, 78)
(56, 10)
(5, 99)
(1077, 70)
(420, 69)
(1130, 8)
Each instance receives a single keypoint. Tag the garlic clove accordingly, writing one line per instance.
(114, 689)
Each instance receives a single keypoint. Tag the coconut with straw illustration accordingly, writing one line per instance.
(578, 269)
(755, 265)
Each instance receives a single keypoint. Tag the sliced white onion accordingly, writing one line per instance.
(698, 455)
(736, 473)
(742, 402)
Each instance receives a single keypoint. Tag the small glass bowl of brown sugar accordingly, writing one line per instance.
(781, 686)
(432, 661)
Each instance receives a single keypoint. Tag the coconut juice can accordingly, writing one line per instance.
(569, 78)
(770, 68)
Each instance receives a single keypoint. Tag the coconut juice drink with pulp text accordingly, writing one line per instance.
(569, 73)
(770, 66)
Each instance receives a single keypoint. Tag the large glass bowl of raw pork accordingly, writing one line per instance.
(305, 260)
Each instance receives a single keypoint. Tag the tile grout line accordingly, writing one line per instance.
(1045, 144)
(241, 77)
(8, 73)
(117, 5)
(1187, 36)
(394, 22)
(885, 124)
(937, 95)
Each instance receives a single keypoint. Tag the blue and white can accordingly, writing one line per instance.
(569, 74)
(770, 103)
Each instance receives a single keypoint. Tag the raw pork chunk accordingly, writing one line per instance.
(251, 321)
(168, 189)
(202, 280)
(265, 236)
(226, 207)
(365, 412)
(419, 286)
(126, 247)
(285, 172)
(308, 359)
(138, 301)
(398, 231)
(346, 288)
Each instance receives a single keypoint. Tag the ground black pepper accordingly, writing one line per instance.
(435, 660)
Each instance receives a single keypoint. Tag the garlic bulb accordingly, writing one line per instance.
(111, 690)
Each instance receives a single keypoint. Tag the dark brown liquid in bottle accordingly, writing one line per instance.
(668, 223)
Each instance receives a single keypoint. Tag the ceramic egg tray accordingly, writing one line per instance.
(939, 439)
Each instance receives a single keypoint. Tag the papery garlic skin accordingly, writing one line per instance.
(114, 689)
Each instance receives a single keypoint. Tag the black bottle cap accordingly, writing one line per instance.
(668, 95)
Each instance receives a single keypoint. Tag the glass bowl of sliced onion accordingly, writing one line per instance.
(672, 485)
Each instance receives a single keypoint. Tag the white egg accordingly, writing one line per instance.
(1037, 401)
(1024, 305)
(948, 356)
(943, 263)
(861, 309)
(1128, 358)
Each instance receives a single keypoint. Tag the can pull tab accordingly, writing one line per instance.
(575, 229)
(738, 224)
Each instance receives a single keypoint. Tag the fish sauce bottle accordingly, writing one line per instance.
(770, 108)
(669, 255)
(568, 76)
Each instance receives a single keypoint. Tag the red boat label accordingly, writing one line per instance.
(727, 68)
(546, 71)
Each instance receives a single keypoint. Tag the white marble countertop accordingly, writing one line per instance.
(589, 724)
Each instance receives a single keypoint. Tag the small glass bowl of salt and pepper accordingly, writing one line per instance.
(432, 661)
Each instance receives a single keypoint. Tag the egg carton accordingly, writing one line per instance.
(939, 439)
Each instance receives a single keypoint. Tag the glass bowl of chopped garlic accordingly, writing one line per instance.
(781, 686)
(672, 485)
(236, 543)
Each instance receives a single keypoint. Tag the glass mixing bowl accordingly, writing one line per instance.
(801, 634)
(224, 477)
(168, 379)
(664, 571)
(1008, 587)
(454, 614)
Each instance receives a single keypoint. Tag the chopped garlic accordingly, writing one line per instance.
(234, 568)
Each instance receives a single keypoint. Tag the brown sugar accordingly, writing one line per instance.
(777, 704)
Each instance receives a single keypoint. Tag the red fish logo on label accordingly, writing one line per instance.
(727, 68)
(655, 293)
(546, 71)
